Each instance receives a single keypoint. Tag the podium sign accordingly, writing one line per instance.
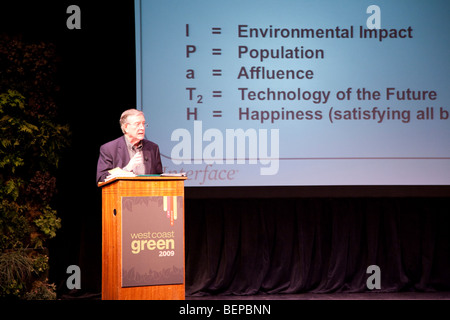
(143, 238)
(152, 241)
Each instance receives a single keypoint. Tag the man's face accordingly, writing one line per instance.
(135, 128)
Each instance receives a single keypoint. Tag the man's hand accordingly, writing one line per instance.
(137, 159)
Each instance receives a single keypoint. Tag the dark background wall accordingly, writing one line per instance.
(238, 241)
(97, 78)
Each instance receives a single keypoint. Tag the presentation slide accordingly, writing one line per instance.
(297, 92)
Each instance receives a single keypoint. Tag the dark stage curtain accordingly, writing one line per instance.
(257, 246)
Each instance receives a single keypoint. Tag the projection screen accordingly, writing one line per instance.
(297, 93)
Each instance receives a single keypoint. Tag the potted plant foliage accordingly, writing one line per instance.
(31, 144)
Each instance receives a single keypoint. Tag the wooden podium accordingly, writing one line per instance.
(125, 199)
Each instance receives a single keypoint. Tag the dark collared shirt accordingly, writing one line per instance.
(132, 150)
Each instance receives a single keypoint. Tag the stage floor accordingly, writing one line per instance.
(413, 295)
(334, 296)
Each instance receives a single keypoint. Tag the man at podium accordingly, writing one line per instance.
(130, 152)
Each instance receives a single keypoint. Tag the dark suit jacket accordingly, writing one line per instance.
(115, 154)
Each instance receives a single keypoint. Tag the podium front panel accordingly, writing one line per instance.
(152, 241)
(143, 239)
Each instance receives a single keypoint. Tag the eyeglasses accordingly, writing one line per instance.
(138, 124)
